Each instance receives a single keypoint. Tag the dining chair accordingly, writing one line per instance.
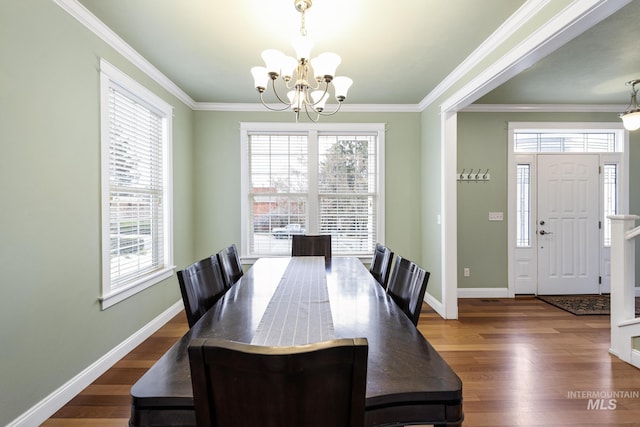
(381, 264)
(305, 245)
(407, 286)
(230, 264)
(201, 285)
(313, 385)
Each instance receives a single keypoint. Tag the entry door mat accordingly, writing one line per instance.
(581, 305)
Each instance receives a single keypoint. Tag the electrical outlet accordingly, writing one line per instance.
(496, 216)
(467, 272)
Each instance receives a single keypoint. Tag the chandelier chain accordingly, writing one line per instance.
(303, 28)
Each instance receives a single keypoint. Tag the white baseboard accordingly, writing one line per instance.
(483, 293)
(48, 406)
(434, 303)
(635, 358)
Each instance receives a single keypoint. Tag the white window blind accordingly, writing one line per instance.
(135, 189)
(320, 180)
(279, 190)
(347, 187)
(566, 142)
(136, 234)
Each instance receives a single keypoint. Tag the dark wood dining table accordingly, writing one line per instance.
(287, 301)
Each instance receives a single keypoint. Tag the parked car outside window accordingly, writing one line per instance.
(287, 231)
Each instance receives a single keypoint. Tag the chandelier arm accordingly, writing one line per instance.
(286, 84)
(308, 100)
(333, 112)
(633, 103)
(326, 89)
(306, 110)
(273, 87)
(317, 86)
(270, 108)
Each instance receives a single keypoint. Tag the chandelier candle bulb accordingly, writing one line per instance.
(288, 68)
(342, 85)
(260, 78)
(325, 66)
(273, 60)
(302, 46)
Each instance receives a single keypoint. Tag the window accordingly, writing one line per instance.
(567, 142)
(610, 190)
(523, 208)
(136, 187)
(316, 179)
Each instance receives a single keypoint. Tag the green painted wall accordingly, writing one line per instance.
(482, 143)
(431, 158)
(51, 323)
(217, 176)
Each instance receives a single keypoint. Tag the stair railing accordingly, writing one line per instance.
(624, 325)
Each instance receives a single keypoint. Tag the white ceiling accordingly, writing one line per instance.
(396, 52)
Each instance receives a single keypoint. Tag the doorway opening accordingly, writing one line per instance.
(565, 179)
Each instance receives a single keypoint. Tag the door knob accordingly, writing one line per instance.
(542, 232)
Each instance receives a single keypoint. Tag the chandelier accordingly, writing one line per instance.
(631, 116)
(307, 80)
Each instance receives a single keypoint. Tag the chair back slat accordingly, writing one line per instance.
(230, 264)
(305, 245)
(407, 287)
(381, 264)
(201, 285)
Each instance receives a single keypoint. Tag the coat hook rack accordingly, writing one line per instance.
(474, 175)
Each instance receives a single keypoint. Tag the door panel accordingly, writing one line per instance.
(568, 233)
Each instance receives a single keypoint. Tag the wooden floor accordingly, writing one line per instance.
(522, 363)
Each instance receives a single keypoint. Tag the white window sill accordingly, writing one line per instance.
(251, 259)
(123, 293)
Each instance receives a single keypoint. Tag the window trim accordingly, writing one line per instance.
(247, 128)
(111, 76)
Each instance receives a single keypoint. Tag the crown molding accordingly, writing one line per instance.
(96, 26)
(543, 108)
(576, 18)
(348, 108)
(581, 14)
(506, 30)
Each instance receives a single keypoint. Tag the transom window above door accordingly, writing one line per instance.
(572, 141)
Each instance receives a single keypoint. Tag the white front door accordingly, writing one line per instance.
(567, 224)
